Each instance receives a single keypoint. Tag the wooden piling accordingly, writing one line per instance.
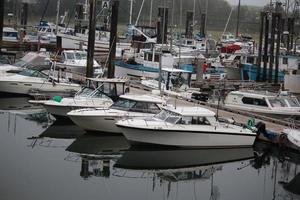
(258, 63)
(272, 42)
(266, 44)
(113, 39)
(91, 40)
(2, 3)
(278, 40)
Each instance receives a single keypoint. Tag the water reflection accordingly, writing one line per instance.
(105, 166)
(96, 153)
(57, 135)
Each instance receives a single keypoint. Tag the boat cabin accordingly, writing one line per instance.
(262, 99)
(138, 103)
(187, 116)
(10, 34)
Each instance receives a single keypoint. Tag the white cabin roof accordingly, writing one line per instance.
(143, 98)
(254, 94)
(191, 111)
(172, 70)
(109, 80)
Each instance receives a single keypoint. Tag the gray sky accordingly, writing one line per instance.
(250, 2)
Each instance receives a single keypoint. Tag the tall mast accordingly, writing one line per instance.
(57, 16)
(150, 18)
(194, 13)
(206, 15)
(238, 19)
(130, 12)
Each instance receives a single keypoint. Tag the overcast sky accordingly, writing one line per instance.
(249, 2)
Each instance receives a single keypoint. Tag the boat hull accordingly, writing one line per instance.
(104, 123)
(182, 138)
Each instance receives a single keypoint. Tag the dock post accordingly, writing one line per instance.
(91, 40)
(266, 44)
(162, 25)
(189, 24)
(278, 40)
(24, 15)
(258, 63)
(2, 3)
(271, 63)
(202, 25)
(113, 39)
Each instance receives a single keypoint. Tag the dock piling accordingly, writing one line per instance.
(113, 39)
(91, 39)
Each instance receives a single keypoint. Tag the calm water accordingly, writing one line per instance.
(46, 159)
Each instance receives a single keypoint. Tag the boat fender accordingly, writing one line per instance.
(57, 99)
(251, 123)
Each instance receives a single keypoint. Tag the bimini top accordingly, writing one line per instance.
(143, 98)
(191, 111)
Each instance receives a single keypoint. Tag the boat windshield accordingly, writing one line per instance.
(80, 56)
(168, 116)
(70, 56)
(84, 92)
(32, 73)
(136, 106)
(293, 102)
(123, 104)
(20, 63)
(277, 103)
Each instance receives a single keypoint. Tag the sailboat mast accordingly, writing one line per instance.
(150, 14)
(130, 12)
(194, 13)
(238, 19)
(57, 16)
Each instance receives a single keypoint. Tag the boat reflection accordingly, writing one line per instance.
(284, 173)
(17, 112)
(172, 166)
(97, 153)
(59, 135)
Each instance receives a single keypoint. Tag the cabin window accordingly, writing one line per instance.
(153, 108)
(293, 102)
(200, 121)
(284, 60)
(173, 119)
(146, 107)
(149, 57)
(189, 42)
(278, 103)
(124, 104)
(250, 60)
(254, 101)
(156, 58)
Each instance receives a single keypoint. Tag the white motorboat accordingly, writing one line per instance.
(263, 102)
(30, 80)
(107, 90)
(85, 98)
(127, 106)
(75, 61)
(186, 127)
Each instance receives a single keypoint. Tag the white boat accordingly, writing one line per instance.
(30, 80)
(85, 98)
(128, 106)
(291, 81)
(106, 91)
(263, 102)
(10, 34)
(75, 61)
(186, 127)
